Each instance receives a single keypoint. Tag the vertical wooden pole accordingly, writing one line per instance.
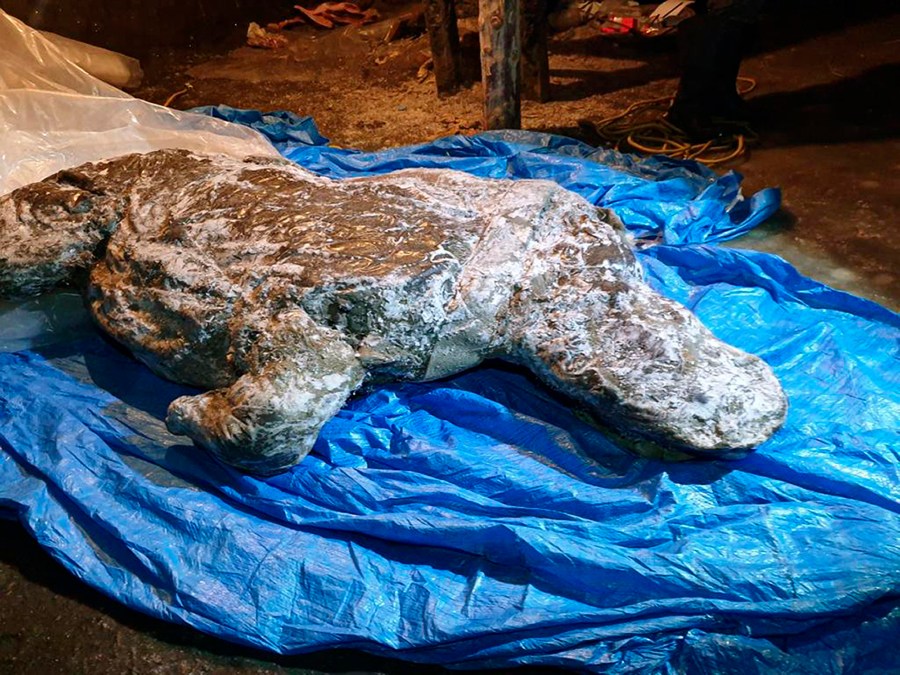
(443, 34)
(500, 35)
(535, 62)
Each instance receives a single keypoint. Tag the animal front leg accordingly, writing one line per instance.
(298, 376)
(647, 365)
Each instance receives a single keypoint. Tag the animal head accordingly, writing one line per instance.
(53, 230)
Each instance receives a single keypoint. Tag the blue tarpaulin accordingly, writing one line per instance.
(480, 521)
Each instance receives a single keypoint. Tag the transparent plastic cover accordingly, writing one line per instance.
(54, 115)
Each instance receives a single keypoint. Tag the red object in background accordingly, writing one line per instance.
(619, 24)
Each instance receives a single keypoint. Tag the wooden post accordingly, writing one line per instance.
(535, 63)
(499, 32)
(443, 34)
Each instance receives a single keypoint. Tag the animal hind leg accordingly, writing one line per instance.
(647, 365)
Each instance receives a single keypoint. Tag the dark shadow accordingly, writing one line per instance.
(781, 222)
(113, 369)
(617, 47)
(585, 83)
(469, 59)
(118, 373)
(610, 450)
(586, 133)
(657, 56)
(787, 23)
(852, 109)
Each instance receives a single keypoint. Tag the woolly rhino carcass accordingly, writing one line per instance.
(282, 293)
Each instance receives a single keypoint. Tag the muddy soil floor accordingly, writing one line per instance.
(829, 135)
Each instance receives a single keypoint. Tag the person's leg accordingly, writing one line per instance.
(711, 46)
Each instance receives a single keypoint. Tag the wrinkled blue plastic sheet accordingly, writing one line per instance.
(481, 521)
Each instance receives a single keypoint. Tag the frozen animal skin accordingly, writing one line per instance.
(282, 293)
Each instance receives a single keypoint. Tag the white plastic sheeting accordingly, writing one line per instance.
(54, 115)
(114, 68)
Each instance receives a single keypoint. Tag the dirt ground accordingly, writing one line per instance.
(370, 94)
(829, 137)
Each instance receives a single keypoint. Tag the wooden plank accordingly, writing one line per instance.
(535, 62)
(443, 34)
(500, 36)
